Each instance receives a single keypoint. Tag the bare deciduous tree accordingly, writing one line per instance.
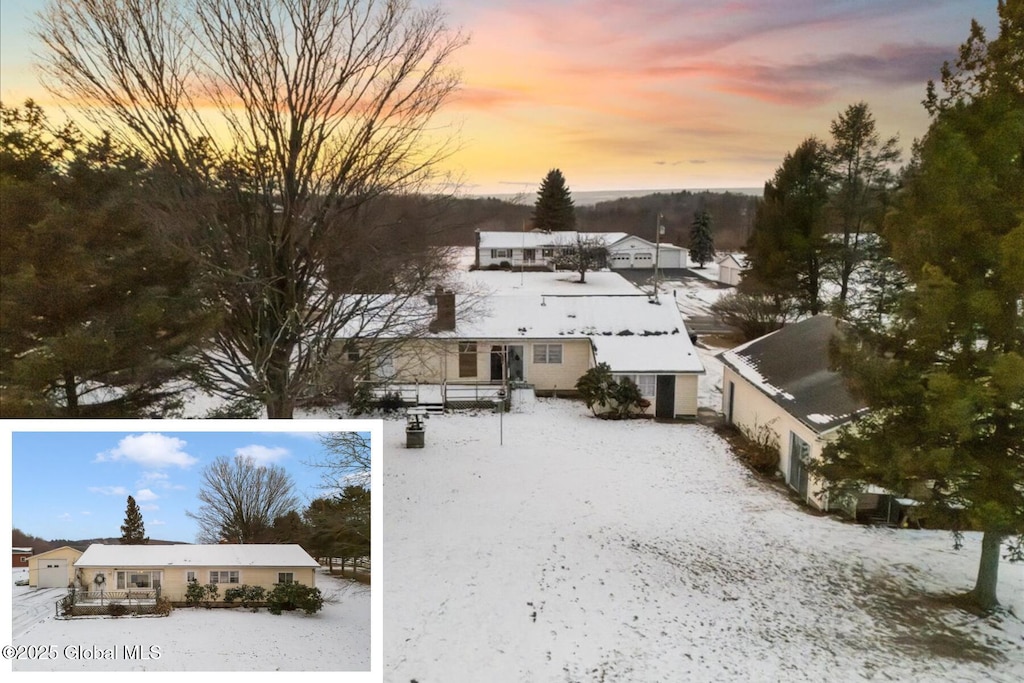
(281, 125)
(241, 500)
(347, 460)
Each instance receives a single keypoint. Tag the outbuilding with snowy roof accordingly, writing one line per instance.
(783, 383)
(170, 568)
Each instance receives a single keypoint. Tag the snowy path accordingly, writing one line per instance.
(586, 550)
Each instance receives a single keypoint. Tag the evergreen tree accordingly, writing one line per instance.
(554, 210)
(702, 245)
(787, 248)
(133, 531)
(945, 379)
(98, 320)
(861, 168)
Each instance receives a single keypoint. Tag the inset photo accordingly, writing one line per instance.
(185, 546)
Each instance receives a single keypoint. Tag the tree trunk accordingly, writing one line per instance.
(280, 404)
(70, 394)
(984, 593)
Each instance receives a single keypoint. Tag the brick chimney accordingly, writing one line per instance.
(445, 320)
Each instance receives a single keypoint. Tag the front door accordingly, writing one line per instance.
(665, 401)
(497, 364)
(516, 372)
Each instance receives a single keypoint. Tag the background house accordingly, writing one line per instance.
(170, 567)
(54, 568)
(531, 248)
(782, 382)
(20, 557)
(730, 270)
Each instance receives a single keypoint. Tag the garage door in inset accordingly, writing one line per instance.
(53, 573)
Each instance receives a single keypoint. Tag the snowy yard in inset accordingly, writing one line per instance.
(335, 639)
(591, 550)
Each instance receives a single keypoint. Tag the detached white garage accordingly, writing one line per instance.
(54, 568)
(636, 252)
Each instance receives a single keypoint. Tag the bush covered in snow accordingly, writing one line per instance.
(291, 596)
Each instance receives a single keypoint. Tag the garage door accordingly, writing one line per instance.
(53, 573)
(643, 259)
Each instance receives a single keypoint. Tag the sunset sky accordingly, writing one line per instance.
(660, 94)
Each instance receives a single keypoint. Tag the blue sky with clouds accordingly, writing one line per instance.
(75, 485)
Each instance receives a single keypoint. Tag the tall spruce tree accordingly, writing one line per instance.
(944, 380)
(702, 244)
(787, 247)
(554, 209)
(133, 531)
(861, 167)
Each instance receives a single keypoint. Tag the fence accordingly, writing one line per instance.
(115, 603)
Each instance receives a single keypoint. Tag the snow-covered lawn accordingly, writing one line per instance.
(588, 550)
(335, 639)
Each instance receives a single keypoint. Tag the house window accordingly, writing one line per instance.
(285, 577)
(547, 253)
(224, 577)
(467, 359)
(646, 383)
(190, 576)
(24, 559)
(501, 253)
(547, 353)
(799, 454)
(353, 355)
(138, 579)
(529, 255)
(385, 367)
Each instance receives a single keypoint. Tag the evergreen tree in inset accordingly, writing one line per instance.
(702, 245)
(133, 531)
(554, 209)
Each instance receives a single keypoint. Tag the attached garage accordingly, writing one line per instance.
(54, 568)
(636, 252)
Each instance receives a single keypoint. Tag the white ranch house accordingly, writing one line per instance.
(146, 568)
(537, 249)
(548, 342)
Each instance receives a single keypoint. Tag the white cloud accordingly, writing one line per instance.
(159, 480)
(149, 450)
(145, 495)
(262, 455)
(109, 490)
(149, 508)
(66, 517)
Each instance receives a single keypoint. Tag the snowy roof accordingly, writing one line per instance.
(629, 332)
(511, 239)
(223, 555)
(667, 246)
(792, 367)
(21, 550)
(730, 261)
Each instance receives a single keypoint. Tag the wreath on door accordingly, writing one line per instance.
(99, 580)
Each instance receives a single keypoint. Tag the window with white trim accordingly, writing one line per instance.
(467, 359)
(190, 576)
(138, 579)
(224, 577)
(547, 353)
(285, 577)
(648, 384)
(501, 253)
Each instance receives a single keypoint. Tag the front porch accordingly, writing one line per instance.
(437, 398)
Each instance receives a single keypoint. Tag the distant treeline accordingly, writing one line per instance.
(732, 215)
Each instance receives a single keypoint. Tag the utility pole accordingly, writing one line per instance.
(658, 228)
